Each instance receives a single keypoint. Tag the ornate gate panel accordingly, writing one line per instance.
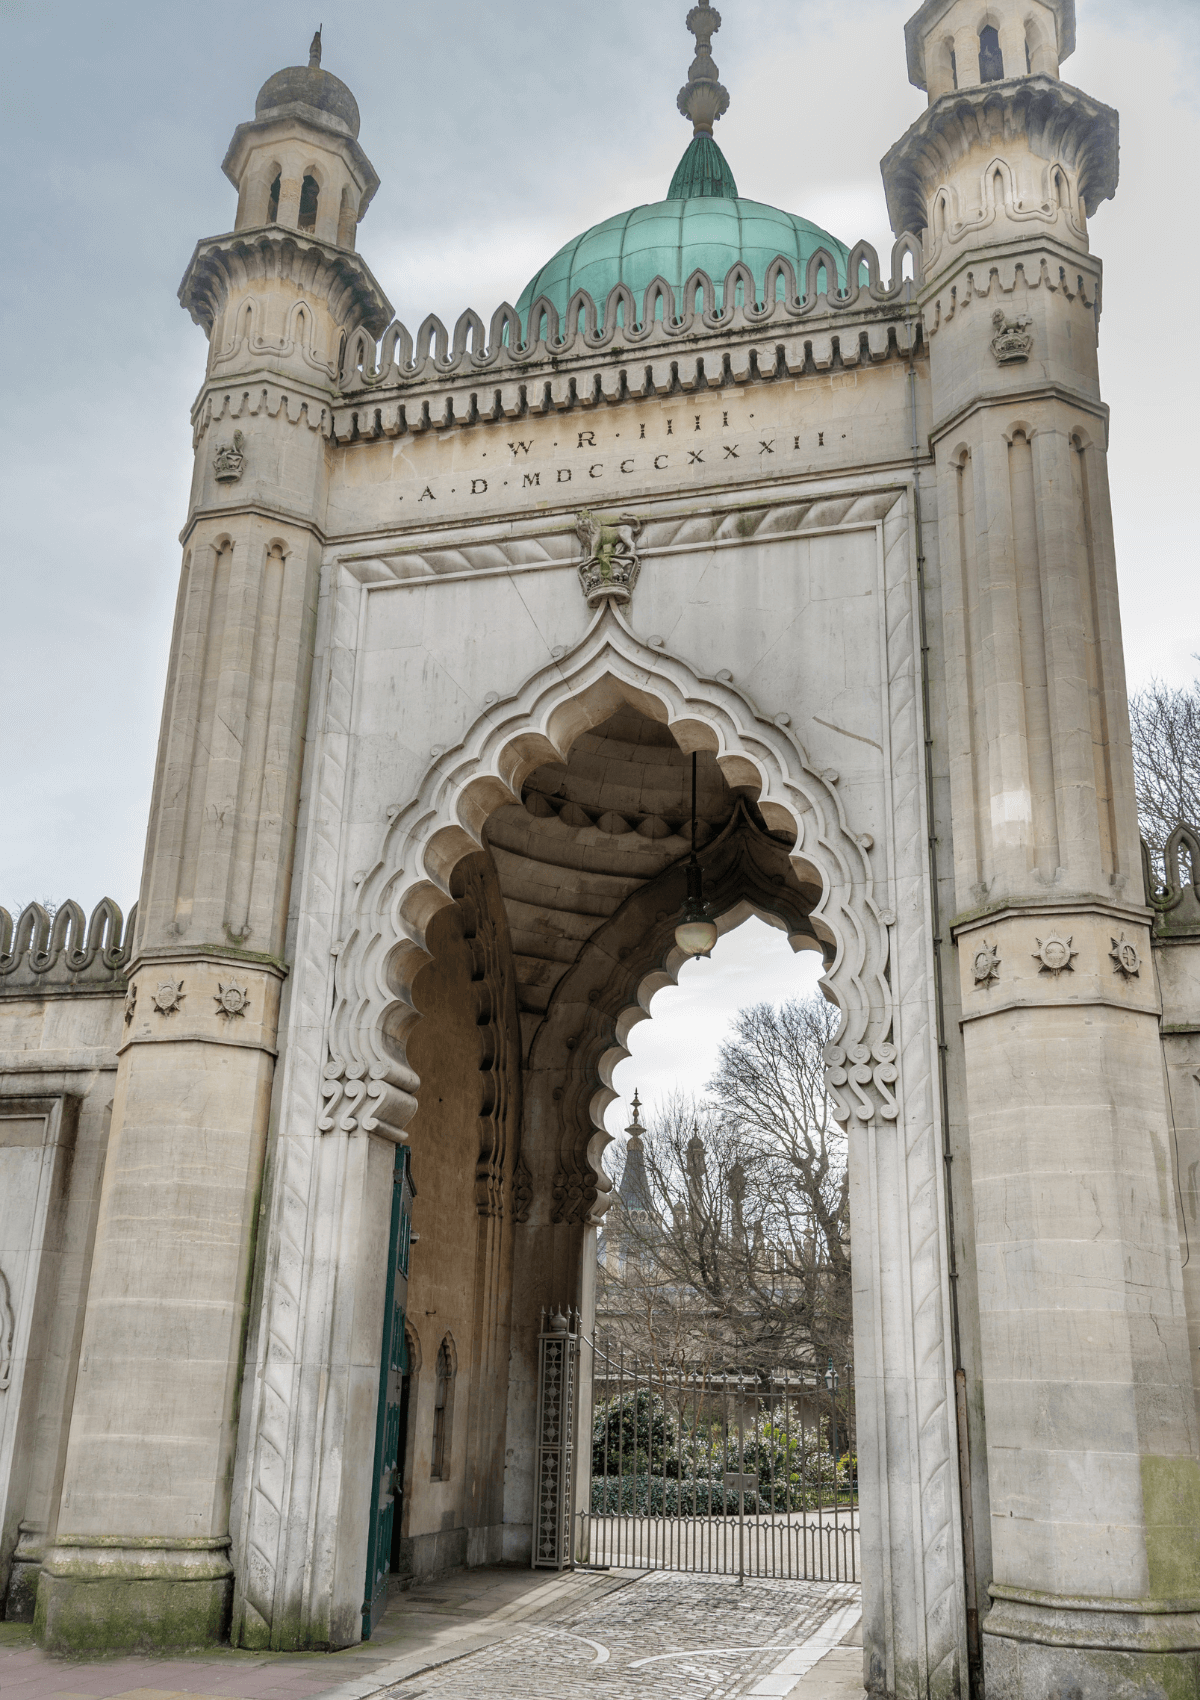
(393, 1367)
(558, 1349)
(714, 1470)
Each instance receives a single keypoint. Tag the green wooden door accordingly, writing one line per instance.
(393, 1368)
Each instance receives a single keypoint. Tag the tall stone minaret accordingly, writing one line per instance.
(1087, 1387)
(142, 1546)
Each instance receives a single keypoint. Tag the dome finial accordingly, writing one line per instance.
(702, 98)
(314, 50)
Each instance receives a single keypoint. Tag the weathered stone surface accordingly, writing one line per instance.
(455, 612)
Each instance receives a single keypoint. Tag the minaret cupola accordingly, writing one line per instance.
(957, 44)
(282, 290)
(298, 163)
(1006, 151)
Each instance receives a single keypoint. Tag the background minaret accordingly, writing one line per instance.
(143, 1539)
(1091, 1431)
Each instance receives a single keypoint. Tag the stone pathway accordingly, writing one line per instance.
(512, 1634)
(686, 1637)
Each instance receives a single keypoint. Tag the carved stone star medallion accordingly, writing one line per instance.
(1055, 953)
(1126, 960)
(168, 995)
(231, 999)
(986, 964)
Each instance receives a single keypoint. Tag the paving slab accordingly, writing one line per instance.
(659, 1634)
(421, 1626)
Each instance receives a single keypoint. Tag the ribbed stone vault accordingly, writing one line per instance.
(589, 833)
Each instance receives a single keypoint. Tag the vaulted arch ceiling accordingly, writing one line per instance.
(591, 832)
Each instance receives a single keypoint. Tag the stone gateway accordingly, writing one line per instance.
(296, 1156)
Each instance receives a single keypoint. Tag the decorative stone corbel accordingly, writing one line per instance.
(856, 1071)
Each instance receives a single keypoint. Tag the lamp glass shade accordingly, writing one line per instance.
(696, 936)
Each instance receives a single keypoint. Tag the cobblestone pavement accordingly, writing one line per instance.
(675, 1637)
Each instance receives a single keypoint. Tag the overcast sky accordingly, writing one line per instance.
(499, 128)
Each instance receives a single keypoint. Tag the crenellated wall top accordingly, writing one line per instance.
(65, 951)
(661, 319)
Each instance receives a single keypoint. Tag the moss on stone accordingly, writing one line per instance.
(122, 1614)
(1171, 1504)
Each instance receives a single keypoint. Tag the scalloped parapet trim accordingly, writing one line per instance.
(272, 401)
(626, 324)
(66, 949)
(676, 372)
(1172, 882)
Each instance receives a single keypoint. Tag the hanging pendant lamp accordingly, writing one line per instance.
(696, 933)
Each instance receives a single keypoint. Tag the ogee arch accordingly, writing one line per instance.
(369, 1084)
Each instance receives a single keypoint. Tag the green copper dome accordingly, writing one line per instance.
(703, 224)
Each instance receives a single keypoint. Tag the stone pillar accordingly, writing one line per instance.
(142, 1550)
(1094, 1475)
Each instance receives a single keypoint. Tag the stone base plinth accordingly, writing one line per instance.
(1046, 1647)
(21, 1595)
(422, 1556)
(106, 1595)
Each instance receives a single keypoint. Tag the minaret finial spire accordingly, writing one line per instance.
(314, 50)
(702, 98)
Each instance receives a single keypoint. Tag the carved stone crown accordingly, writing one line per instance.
(230, 460)
(1013, 339)
(610, 564)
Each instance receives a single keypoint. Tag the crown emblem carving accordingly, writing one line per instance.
(168, 995)
(231, 999)
(1013, 340)
(611, 563)
(230, 459)
(1055, 954)
(1127, 960)
(986, 964)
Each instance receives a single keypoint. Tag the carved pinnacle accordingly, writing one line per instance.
(702, 98)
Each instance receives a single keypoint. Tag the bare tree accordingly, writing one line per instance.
(732, 1248)
(770, 1079)
(1165, 722)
